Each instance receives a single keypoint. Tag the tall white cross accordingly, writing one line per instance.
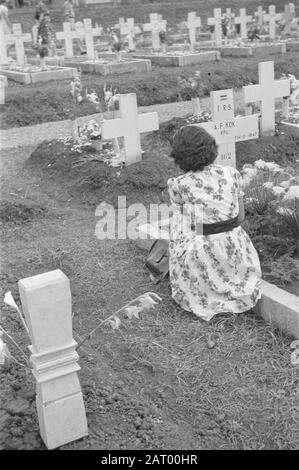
(259, 14)
(193, 23)
(18, 38)
(86, 31)
(67, 35)
(266, 92)
(155, 25)
(288, 15)
(271, 17)
(216, 21)
(128, 29)
(90, 33)
(226, 129)
(3, 84)
(242, 20)
(289, 12)
(129, 126)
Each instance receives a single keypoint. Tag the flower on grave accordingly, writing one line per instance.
(189, 87)
(163, 37)
(76, 87)
(277, 190)
(268, 185)
(90, 130)
(111, 98)
(115, 41)
(292, 193)
(93, 98)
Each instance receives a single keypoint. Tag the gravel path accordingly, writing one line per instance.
(33, 135)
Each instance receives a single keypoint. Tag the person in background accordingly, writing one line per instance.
(5, 28)
(69, 17)
(214, 268)
(45, 38)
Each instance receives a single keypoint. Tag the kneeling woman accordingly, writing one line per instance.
(215, 269)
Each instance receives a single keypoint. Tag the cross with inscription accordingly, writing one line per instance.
(226, 129)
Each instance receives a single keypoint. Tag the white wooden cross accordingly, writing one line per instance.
(193, 23)
(226, 129)
(271, 17)
(242, 20)
(86, 31)
(3, 84)
(129, 126)
(259, 14)
(18, 38)
(289, 12)
(266, 92)
(216, 21)
(89, 33)
(67, 35)
(128, 29)
(288, 15)
(155, 25)
(47, 306)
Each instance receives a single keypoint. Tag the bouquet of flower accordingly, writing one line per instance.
(188, 87)
(162, 37)
(76, 88)
(115, 40)
(266, 185)
(111, 98)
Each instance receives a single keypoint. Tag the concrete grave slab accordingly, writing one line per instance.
(54, 73)
(180, 59)
(106, 67)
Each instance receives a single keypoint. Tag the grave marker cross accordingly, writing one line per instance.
(129, 29)
(18, 38)
(155, 25)
(193, 23)
(89, 33)
(266, 92)
(259, 14)
(242, 20)
(226, 129)
(129, 126)
(289, 12)
(67, 35)
(216, 21)
(271, 18)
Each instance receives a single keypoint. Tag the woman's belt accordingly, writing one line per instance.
(218, 227)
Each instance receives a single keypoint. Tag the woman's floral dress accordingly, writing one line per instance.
(214, 273)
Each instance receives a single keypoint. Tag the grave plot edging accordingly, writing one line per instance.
(280, 308)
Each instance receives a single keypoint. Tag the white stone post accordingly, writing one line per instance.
(47, 306)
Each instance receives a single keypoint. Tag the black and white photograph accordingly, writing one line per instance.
(149, 229)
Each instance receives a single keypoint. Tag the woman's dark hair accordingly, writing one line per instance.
(193, 148)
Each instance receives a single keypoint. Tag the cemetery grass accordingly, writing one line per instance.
(166, 381)
(51, 101)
